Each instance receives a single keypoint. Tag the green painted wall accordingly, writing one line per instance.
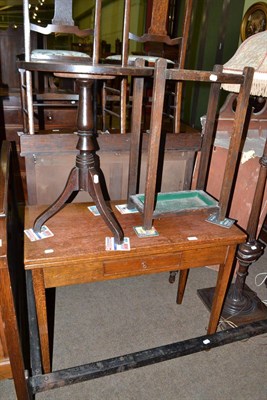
(249, 3)
(210, 54)
(214, 40)
(112, 18)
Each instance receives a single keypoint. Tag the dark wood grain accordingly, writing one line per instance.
(136, 117)
(173, 235)
(235, 141)
(215, 78)
(52, 142)
(154, 141)
(11, 358)
(208, 132)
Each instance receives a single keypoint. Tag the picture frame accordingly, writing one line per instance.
(254, 20)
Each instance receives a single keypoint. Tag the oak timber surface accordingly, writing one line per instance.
(79, 235)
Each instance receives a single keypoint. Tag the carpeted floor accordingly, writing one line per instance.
(106, 319)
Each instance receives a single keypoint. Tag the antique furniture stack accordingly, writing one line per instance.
(76, 253)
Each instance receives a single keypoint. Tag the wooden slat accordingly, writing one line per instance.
(203, 76)
(66, 142)
(209, 132)
(235, 142)
(4, 175)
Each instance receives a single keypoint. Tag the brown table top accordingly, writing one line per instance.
(85, 68)
(78, 234)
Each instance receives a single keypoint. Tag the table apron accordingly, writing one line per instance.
(83, 271)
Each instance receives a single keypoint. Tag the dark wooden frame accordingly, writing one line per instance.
(216, 79)
(257, 7)
(11, 329)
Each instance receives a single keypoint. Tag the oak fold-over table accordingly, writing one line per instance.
(76, 254)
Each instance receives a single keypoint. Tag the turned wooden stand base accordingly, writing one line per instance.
(86, 174)
(249, 309)
(241, 304)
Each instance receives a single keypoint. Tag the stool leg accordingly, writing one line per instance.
(95, 191)
(71, 186)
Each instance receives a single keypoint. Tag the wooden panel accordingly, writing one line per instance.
(156, 263)
(13, 117)
(60, 117)
(47, 143)
(72, 275)
(82, 272)
(202, 258)
(51, 172)
(51, 158)
(11, 44)
(52, 116)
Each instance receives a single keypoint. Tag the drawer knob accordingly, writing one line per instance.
(49, 117)
(144, 265)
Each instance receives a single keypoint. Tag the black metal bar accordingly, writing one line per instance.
(146, 357)
(35, 348)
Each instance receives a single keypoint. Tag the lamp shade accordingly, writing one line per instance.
(251, 53)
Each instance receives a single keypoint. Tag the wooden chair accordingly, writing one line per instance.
(12, 363)
(156, 40)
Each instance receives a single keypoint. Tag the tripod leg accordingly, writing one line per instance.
(95, 191)
(71, 186)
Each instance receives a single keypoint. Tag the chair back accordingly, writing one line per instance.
(157, 35)
(61, 23)
(157, 32)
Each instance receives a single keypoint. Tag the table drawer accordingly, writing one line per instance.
(60, 117)
(155, 263)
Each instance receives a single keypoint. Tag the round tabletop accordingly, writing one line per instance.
(85, 68)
